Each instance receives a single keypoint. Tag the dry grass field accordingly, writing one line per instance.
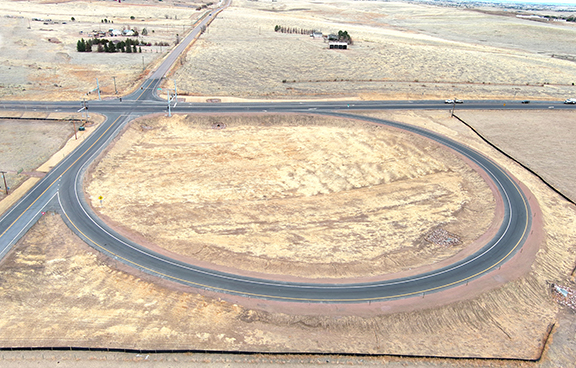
(400, 51)
(26, 144)
(295, 196)
(280, 194)
(541, 140)
(68, 293)
(40, 61)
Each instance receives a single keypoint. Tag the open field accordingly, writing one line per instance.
(280, 194)
(95, 302)
(400, 51)
(541, 140)
(26, 144)
(39, 61)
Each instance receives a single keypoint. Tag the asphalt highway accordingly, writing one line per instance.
(63, 185)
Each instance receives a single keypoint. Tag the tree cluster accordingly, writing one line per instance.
(103, 45)
(343, 36)
(283, 29)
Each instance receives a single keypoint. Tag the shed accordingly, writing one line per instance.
(338, 45)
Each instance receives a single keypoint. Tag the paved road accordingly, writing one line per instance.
(63, 184)
(510, 237)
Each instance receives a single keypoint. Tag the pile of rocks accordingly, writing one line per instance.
(442, 237)
(564, 295)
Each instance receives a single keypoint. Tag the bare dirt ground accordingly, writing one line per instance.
(280, 194)
(400, 51)
(39, 61)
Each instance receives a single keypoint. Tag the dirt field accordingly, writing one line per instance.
(26, 144)
(541, 140)
(400, 51)
(40, 61)
(106, 306)
(306, 207)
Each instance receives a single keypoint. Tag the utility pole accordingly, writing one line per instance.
(74, 124)
(143, 67)
(116, 90)
(98, 88)
(170, 99)
(5, 185)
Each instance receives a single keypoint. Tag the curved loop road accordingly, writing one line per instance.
(508, 239)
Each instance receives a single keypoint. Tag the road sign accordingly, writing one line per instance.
(100, 198)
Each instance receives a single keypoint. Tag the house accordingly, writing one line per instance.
(114, 32)
(128, 32)
(332, 37)
(316, 34)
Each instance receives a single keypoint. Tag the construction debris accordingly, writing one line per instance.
(564, 295)
(442, 237)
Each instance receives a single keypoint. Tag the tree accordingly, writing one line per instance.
(81, 45)
(343, 36)
(144, 32)
(132, 17)
(72, 19)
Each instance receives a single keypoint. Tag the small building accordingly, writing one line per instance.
(128, 32)
(332, 37)
(316, 35)
(338, 45)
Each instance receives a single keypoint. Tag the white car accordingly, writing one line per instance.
(458, 101)
(570, 101)
(448, 101)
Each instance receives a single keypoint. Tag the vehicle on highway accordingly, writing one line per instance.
(458, 101)
(448, 101)
(526, 102)
(570, 101)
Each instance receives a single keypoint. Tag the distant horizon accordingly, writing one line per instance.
(542, 2)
